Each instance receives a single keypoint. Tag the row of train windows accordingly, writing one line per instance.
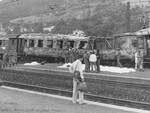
(40, 43)
(3, 42)
(50, 43)
(57, 44)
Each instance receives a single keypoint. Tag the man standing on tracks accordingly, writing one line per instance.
(77, 66)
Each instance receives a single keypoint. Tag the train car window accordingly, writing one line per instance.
(31, 43)
(70, 44)
(25, 43)
(134, 43)
(100, 44)
(13, 42)
(83, 45)
(148, 43)
(50, 43)
(109, 43)
(141, 43)
(40, 43)
(0, 42)
(59, 43)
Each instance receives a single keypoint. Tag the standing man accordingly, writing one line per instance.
(92, 60)
(86, 61)
(98, 61)
(77, 66)
(118, 55)
(5, 60)
(136, 59)
(67, 56)
(140, 59)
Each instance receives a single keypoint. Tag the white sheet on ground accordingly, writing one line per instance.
(32, 64)
(105, 68)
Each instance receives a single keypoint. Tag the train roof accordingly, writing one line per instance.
(3, 37)
(143, 32)
(124, 35)
(52, 36)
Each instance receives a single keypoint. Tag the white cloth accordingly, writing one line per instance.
(77, 65)
(92, 58)
(136, 57)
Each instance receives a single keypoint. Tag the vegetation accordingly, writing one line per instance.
(97, 18)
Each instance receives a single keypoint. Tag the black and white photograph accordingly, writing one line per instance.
(74, 56)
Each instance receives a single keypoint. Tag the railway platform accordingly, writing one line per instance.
(13, 100)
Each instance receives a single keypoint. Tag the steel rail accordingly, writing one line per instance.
(91, 97)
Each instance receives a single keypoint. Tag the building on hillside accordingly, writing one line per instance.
(140, 3)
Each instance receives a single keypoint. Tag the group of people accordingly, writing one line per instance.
(92, 61)
(71, 55)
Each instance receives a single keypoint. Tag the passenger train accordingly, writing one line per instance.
(51, 47)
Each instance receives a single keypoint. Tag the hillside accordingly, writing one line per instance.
(54, 9)
(94, 17)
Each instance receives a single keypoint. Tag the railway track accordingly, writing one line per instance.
(100, 90)
(68, 93)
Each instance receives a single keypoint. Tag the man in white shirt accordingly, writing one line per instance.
(92, 60)
(77, 66)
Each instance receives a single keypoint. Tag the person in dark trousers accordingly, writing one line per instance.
(140, 59)
(5, 60)
(67, 56)
(93, 60)
(86, 61)
(98, 61)
(118, 54)
(71, 55)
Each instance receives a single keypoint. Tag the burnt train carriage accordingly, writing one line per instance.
(127, 43)
(47, 47)
(50, 47)
(144, 44)
(108, 47)
(14, 48)
(139, 40)
(10, 48)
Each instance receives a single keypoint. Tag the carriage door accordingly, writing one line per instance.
(20, 45)
(148, 45)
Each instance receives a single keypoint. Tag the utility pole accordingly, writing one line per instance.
(128, 18)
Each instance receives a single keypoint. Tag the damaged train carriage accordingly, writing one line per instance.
(51, 47)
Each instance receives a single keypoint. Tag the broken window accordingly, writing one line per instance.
(40, 43)
(50, 43)
(31, 43)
